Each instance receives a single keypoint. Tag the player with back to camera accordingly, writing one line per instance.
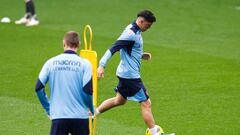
(70, 83)
(130, 86)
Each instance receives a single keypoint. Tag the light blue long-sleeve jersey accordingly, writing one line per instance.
(70, 83)
(130, 45)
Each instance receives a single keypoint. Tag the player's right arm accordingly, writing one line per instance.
(40, 85)
(126, 40)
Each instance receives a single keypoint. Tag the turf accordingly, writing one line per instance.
(193, 77)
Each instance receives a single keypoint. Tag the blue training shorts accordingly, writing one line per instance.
(132, 89)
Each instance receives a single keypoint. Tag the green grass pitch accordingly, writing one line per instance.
(193, 78)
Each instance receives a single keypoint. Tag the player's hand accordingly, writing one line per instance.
(100, 72)
(49, 117)
(146, 56)
(90, 113)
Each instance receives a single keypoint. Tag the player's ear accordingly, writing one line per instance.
(142, 20)
(64, 43)
(79, 44)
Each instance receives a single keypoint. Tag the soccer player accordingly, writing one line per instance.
(130, 86)
(30, 18)
(70, 83)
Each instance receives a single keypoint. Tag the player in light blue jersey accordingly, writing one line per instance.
(130, 86)
(70, 83)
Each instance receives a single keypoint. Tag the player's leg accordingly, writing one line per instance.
(145, 103)
(30, 18)
(148, 117)
(26, 18)
(59, 127)
(33, 20)
(119, 99)
(30, 6)
(147, 113)
(140, 94)
(110, 103)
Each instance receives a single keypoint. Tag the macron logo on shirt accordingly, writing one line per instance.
(67, 62)
(66, 65)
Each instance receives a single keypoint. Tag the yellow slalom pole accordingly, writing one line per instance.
(90, 125)
(86, 45)
(92, 57)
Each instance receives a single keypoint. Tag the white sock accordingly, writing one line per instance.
(154, 130)
(97, 111)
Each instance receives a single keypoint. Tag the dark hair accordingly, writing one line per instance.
(72, 39)
(147, 15)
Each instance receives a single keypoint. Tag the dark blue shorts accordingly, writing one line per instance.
(72, 126)
(132, 89)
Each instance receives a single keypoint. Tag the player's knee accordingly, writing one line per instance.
(146, 104)
(119, 102)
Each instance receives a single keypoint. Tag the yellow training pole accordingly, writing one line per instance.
(92, 57)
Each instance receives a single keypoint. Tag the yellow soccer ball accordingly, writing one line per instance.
(148, 132)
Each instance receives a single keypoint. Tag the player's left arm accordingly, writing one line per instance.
(88, 86)
(146, 56)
